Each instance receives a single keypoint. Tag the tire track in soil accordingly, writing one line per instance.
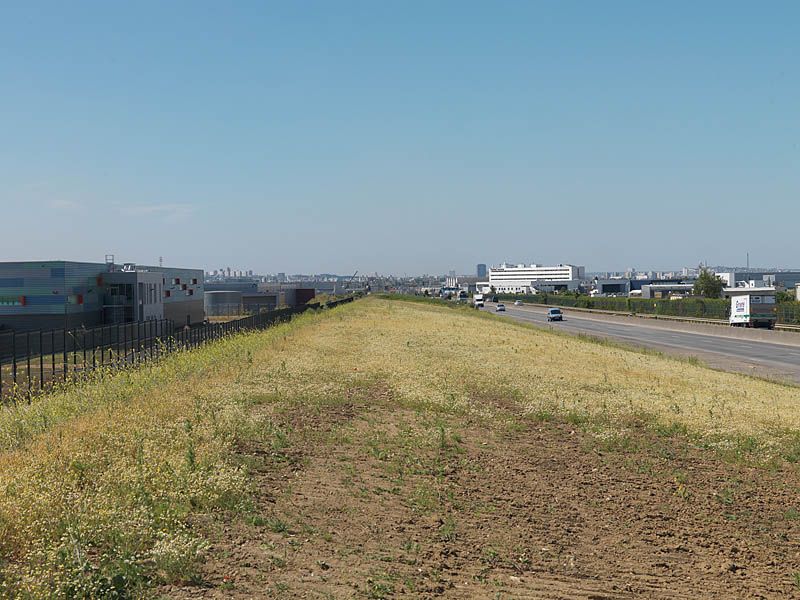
(536, 513)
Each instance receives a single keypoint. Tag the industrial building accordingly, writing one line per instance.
(645, 287)
(69, 295)
(521, 279)
(780, 279)
(613, 286)
(222, 303)
(253, 299)
(666, 290)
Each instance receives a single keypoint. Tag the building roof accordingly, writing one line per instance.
(734, 291)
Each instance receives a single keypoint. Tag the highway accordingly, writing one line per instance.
(720, 348)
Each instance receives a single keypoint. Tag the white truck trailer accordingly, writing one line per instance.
(753, 308)
(477, 299)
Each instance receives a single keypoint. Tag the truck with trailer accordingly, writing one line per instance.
(753, 307)
(477, 300)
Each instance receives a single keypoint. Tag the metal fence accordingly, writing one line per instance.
(35, 361)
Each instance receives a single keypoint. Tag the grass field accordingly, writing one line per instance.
(393, 448)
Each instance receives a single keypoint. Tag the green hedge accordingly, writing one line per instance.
(706, 308)
(789, 313)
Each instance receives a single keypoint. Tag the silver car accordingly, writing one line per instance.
(554, 314)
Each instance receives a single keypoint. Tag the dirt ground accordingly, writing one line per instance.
(368, 499)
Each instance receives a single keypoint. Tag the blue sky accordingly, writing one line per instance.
(402, 137)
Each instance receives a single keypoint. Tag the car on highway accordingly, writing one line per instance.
(500, 308)
(517, 302)
(554, 314)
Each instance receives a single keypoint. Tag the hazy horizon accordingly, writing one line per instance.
(401, 138)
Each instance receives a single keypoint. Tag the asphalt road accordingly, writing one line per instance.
(755, 357)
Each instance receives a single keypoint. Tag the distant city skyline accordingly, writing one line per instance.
(401, 137)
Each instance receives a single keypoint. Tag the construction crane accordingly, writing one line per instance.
(349, 281)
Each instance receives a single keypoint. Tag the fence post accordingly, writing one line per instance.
(64, 361)
(41, 360)
(14, 357)
(74, 352)
(83, 351)
(28, 360)
(157, 339)
(102, 347)
(52, 355)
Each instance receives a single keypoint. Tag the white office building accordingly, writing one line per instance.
(522, 279)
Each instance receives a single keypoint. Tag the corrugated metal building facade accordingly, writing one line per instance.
(64, 294)
(50, 294)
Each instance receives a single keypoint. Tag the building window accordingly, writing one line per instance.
(176, 281)
(194, 281)
(167, 293)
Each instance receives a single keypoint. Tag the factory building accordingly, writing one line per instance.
(781, 279)
(666, 290)
(252, 300)
(69, 295)
(521, 279)
(608, 287)
(222, 303)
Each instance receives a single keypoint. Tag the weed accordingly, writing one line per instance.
(490, 556)
(681, 490)
(447, 532)
(277, 562)
(257, 520)
(725, 496)
(276, 525)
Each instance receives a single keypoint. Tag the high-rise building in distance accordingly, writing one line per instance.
(481, 272)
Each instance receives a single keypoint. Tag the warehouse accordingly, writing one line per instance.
(69, 295)
(667, 290)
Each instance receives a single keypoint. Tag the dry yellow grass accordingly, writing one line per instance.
(96, 483)
(452, 359)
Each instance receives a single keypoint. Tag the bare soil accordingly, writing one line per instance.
(368, 499)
